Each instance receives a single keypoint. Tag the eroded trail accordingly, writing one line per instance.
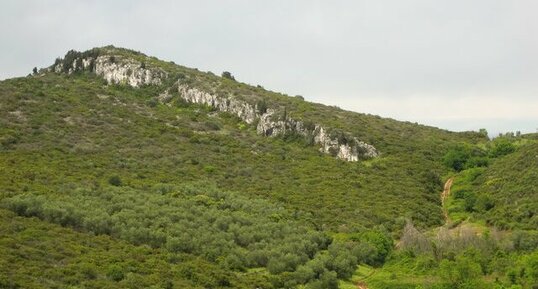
(444, 196)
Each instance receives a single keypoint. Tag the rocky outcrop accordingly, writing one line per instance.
(270, 124)
(268, 121)
(130, 72)
(115, 70)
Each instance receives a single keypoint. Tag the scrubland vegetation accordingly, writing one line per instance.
(105, 186)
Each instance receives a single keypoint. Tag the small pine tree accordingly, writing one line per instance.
(34, 70)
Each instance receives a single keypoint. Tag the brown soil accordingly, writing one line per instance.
(444, 196)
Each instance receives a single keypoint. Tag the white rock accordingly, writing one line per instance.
(119, 71)
(268, 126)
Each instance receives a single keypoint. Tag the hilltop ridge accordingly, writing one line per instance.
(118, 68)
(272, 114)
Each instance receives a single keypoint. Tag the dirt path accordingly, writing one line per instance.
(444, 196)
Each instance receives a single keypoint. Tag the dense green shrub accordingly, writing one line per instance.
(115, 181)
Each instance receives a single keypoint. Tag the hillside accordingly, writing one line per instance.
(115, 153)
(490, 238)
(72, 114)
(503, 194)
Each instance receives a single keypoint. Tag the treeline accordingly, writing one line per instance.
(231, 230)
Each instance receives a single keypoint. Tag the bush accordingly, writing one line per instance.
(152, 102)
(115, 272)
(115, 181)
(469, 201)
(484, 203)
(261, 105)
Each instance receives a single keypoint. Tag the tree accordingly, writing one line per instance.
(261, 106)
(381, 242)
(276, 266)
(228, 75)
(234, 262)
(456, 158)
(327, 280)
(34, 71)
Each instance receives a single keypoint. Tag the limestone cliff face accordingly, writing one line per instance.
(130, 72)
(270, 122)
(116, 70)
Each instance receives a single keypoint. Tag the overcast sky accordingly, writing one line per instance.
(458, 64)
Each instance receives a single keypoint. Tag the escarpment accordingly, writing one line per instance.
(268, 121)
